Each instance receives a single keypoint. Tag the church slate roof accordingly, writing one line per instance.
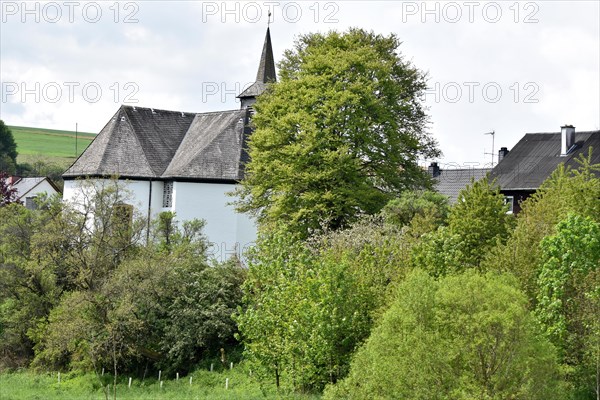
(533, 159)
(146, 143)
(212, 147)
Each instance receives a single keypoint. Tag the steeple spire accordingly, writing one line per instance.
(266, 68)
(266, 74)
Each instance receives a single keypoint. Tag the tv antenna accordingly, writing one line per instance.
(493, 133)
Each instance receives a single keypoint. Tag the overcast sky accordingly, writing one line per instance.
(506, 66)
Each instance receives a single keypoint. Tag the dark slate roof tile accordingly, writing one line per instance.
(451, 181)
(533, 159)
(158, 144)
(212, 147)
(159, 133)
(116, 150)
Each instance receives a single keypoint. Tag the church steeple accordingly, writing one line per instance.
(266, 74)
(266, 68)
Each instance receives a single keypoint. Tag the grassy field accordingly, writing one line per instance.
(205, 385)
(48, 145)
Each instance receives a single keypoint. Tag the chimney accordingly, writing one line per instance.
(502, 153)
(434, 170)
(567, 139)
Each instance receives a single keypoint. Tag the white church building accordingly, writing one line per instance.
(180, 162)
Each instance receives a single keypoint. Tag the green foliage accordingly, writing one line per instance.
(28, 290)
(309, 305)
(167, 306)
(338, 136)
(80, 289)
(476, 224)
(420, 204)
(569, 296)
(465, 337)
(8, 150)
(565, 191)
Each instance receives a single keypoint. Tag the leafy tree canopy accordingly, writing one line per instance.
(8, 150)
(476, 223)
(569, 297)
(339, 135)
(464, 337)
(308, 305)
(565, 191)
(411, 204)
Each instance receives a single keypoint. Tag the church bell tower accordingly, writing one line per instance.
(266, 74)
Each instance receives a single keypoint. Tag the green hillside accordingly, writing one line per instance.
(49, 145)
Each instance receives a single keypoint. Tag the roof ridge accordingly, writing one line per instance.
(155, 110)
(558, 133)
(174, 111)
(219, 112)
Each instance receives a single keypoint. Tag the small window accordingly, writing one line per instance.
(30, 203)
(510, 200)
(168, 194)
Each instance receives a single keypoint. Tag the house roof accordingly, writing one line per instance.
(146, 143)
(26, 185)
(533, 159)
(450, 182)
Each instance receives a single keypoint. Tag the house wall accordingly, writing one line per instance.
(42, 187)
(137, 196)
(519, 196)
(227, 231)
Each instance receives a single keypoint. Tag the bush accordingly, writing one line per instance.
(464, 337)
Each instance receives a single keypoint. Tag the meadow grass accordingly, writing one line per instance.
(50, 145)
(27, 385)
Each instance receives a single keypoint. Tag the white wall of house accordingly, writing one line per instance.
(42, 187)
(28, 198)
(227, 231)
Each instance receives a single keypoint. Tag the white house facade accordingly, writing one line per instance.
(182, 162)
(29, 189)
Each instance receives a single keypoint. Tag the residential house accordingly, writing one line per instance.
(182, 162)
(522, 170)
(28, 189)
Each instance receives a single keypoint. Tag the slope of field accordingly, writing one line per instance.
(51, 146)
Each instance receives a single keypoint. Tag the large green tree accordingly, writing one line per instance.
(8, 150)
(464, 337)
(476, 224)
(569, 298)
(339, 135)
